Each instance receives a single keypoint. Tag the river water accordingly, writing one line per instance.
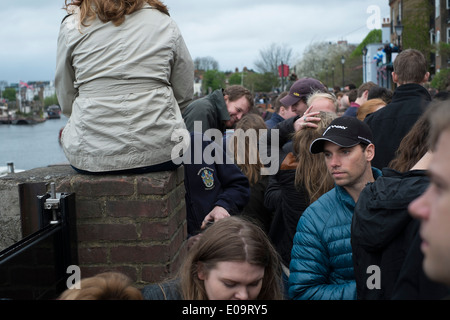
(32, 146)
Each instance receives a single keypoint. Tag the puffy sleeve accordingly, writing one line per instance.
(310, 264)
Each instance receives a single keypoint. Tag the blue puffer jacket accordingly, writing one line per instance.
(321, 265)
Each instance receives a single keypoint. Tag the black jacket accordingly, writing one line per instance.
(382, 229)
(390, 124)
(255, 209)
(413, 283)
(288, 204)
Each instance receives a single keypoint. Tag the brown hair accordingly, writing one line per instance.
(277, 105)
(231, 239)
(104, 286)
(235, 92)
(410, 66)
(368, 107)
(311, 171)
(365, 86)
(417, 142)
(111, 10)
(251, 169)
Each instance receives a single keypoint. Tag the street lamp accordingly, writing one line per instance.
(399, 31)
(343, 62)
(332, 72)
(364, 52)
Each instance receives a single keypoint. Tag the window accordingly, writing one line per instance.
(448, 35)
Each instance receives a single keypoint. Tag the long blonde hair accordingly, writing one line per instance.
(311, 171)
(110, 10)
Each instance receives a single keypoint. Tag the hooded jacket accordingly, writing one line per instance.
(383, 229)
(210, 110)
(123, 88)
(321, 265)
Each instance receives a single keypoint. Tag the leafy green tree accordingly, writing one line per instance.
(213, 80)
(374, 36)
(9, 94)
(441, 80)
(235, 78)
(51, 100)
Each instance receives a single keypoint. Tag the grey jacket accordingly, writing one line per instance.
(123, 88)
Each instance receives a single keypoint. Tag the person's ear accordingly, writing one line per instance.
(366, 94)
(201, 273)
(426, 77)
(394, 77)
(370, 152)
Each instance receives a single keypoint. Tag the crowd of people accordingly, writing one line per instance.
(357, 207)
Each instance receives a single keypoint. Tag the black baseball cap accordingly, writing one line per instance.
(345, 132)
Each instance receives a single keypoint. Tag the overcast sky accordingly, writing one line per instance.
(232, 32)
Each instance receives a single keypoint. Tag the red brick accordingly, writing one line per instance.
(140, 254)
(113, 231)
(151, 208)
(89, 209)
(92, 255)
(96, 186)
(158, 183)
(155, 230)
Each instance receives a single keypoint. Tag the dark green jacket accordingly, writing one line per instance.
(211, 110)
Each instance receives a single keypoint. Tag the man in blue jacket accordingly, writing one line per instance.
(321, 266)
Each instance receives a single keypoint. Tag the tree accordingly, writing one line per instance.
(51, 100)
(9, 94)
(322, 61)
(213, 79)
(206, 63)
(235, 78)
(272, 56)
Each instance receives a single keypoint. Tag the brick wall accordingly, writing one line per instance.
(134, 224)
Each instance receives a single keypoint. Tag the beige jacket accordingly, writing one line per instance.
(123, 88)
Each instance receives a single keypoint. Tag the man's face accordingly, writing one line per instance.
(433, 209)
(237, 109)
(348, 166)
(299, 107)
(287, 113)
